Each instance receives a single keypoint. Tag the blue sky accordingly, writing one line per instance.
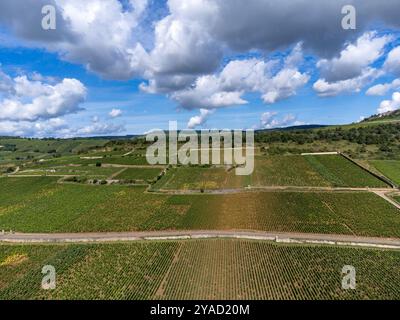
(156, 62)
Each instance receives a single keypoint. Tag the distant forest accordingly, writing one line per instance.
(383, 135)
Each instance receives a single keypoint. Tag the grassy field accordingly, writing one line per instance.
(87, 171)
(389, 168)
(41, 205)
(36, 148)
(291, 147)
(201, 269)
(139, 174)
(134, 159)
(87, 160)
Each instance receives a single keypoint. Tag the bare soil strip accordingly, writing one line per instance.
(128, 153)
(384, 196)
(285, 237)
(160, 291)
(116, 174)
(114, 165)
(334, 214)
(270, 188)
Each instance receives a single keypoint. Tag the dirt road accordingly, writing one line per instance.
(383, 195)
(272, 188)
(282, 237)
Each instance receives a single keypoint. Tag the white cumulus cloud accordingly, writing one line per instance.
(383, 88)
(200, 119)
(56, 127)
(30, 100)
(330, 89)
(114, 113)
(354, 58)
(352, 70)
(100, 128)
(241, 76)
(390, 105)
(270, 119)
(392, 63)
(179, 51)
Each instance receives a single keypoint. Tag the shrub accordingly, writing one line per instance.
(10, 169)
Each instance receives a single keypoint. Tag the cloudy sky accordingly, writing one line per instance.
(115, 67)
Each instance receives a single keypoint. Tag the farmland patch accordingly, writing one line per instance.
(389, 168)
(342, 172)
(199, 269)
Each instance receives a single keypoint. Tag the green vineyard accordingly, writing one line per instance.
(197, 269)
(40, 204)
(294, 170)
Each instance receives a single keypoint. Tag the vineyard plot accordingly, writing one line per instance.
(341, 172)
(197, 269)
(40, 204)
